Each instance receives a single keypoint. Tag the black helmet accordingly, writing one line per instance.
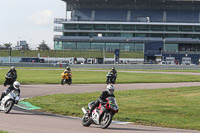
(113, 68)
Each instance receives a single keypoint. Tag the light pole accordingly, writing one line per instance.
(10, 55)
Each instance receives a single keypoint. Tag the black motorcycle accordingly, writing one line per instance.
(9, 80)
(111, 78)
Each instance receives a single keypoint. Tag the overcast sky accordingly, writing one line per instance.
(30, 20)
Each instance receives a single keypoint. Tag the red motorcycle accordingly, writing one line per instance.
(102, 115)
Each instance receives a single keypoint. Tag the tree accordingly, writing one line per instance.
(7, 45)
(43, 46)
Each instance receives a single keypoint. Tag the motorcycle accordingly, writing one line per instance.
(9, 100)
(101, 115)
(111, 78)
(66, 78)
(9, 80)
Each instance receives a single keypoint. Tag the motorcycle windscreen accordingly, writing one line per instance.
(113, 103)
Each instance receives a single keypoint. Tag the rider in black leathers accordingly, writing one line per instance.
(13, 72)
(114, 73)
(105, 94)
(14, 76)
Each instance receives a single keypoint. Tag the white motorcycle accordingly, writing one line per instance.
(9, 100)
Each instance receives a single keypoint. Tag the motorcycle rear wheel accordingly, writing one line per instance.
(105, 122)
(8, 106)
(86, 121)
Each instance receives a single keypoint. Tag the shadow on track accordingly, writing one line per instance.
(125, 129)
(31, 112)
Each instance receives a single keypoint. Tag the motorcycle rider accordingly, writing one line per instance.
(105, 94)
(15, 86)
(114, 73)
(67, 70)
(13, 73)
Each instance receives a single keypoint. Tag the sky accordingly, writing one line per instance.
(29, 20)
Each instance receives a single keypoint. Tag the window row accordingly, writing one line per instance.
(92, 34)
(131, 27)
(99, 46)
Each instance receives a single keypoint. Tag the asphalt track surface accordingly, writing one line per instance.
(23, 121)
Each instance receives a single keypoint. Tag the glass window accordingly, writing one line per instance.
(139, 46)
(70, 34)
(156, 35)
(197, 28)
(126, 35)
(83, 34)
(170, 47)
(157, 27)
(83, 45)
(70, 26)
(100, 27)
(112, 46)
(114, 27)
(185, 28)
(85, 26)
(127, 46)
(173, 35)
(100, 46)
(141, 35)
(57, 45)
(171, 28)
(142, 27)
(113, 34)
(69, 45)
(128, 27)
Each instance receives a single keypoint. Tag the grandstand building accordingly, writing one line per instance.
(160, 28)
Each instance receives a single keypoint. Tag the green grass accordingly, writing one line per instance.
(70, 53)
(81, 76)
(173, 107)
(3, 132)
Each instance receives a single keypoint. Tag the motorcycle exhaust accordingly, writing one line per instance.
(84, 111)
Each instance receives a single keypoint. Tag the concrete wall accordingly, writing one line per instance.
(107, 66)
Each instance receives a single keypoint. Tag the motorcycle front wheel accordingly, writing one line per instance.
(62, 82)
(107, 81)
(69, 81)
(8, 106)
(86, 121)
(106, 120)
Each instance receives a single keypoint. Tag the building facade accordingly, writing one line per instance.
(129, 25)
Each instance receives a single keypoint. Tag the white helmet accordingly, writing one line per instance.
(16, 85)
(110, 89)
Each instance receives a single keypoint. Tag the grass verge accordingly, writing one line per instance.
(81, 76)
(171, 107)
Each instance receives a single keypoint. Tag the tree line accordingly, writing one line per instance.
(41, 46)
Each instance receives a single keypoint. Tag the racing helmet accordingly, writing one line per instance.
(16, 85)
(12, 68)
(113, 68)
(110, 89)
(68, 68)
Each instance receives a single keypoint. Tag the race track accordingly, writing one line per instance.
(23, 121)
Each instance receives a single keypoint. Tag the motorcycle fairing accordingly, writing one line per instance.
(97, 114)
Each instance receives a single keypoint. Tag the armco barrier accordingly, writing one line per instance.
(108, 66)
